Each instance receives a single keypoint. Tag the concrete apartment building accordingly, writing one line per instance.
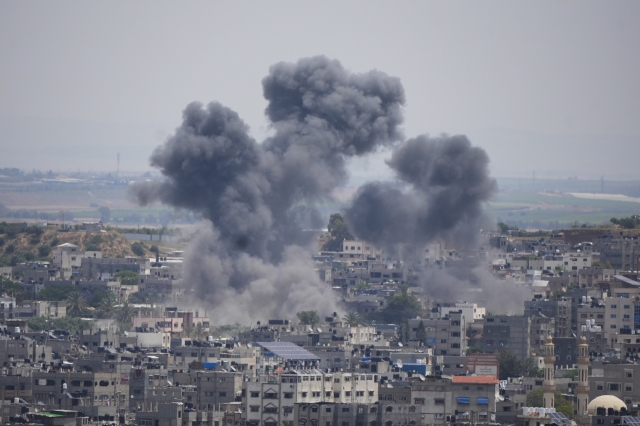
(143, 382)
(446, 335)
(591, 277)
(560, 309)
(166, 289)
(271, 399)
(9, 309)
(470, 311)
(620, 380)
(214, 388)
(15, 382)
(173, 321)
(474, 398)
(387, 413)
(174, 414)
(621, 319)
(97, 395)
(541, 327)
(105, 268)
(620, 251)
(507, 332)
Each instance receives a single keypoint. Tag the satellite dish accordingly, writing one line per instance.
(400, 344)
(319, 330)
(422, 378)
(249, 345)
(399, 363)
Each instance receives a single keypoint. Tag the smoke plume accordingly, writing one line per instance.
(249, 260)
(444, 183)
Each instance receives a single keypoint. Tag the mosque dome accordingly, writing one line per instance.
(605, 401)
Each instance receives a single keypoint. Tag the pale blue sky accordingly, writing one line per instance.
(547, 86)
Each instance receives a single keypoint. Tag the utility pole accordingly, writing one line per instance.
(533, 182)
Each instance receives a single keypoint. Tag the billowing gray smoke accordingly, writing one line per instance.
(448, 182)
(259, 197)
(443, 184)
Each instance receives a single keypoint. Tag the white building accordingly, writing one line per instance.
(271, 399)
(470, 311)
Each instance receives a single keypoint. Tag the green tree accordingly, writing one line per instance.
(534, 399)
(72, 325)
(127, 277)
(308, 317)
(407, 331)
(475, 347)
(44, 251)
(353, 319)
(135, 298)
(154, 249)
(138, 249)
(512, 366)
(56, 293)
(602, 265)
(107, 305)
(400, 306)
(76, 303)
(339, 231)
(198, 331)
(421, 332)
(189, 332)
(362, 285)
(124, 314)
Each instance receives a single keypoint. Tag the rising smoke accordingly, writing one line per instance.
(252, 258)
(446, 181)
(443, 183)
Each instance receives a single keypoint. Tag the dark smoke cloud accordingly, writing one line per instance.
(442, 185)
(259, 197)
(475, 284)
(446, 182)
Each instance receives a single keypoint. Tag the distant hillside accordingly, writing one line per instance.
(19, 243)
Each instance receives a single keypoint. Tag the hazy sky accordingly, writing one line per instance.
(547, 86)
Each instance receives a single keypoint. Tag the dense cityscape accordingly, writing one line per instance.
(319, 213)
(104, 338)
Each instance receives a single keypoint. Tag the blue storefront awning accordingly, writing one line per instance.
(483, 401)
(463, 400)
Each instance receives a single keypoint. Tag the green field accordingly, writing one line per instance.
(532, 209)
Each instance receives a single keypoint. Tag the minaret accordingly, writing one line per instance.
(548, 386)
(582, 389)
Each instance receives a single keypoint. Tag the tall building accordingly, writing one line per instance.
(507, 332)
(549, 386)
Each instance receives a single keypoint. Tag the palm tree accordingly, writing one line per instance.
(107, 305)
(353, 319)
(124, 313)
(198, 331)
(188, 332)
(76, 303)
